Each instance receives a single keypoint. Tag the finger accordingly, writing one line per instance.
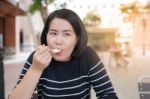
(39, 47)
(42, 49)
(46, 53)
(45, 58)
(48, 58)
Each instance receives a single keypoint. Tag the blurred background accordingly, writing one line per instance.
(117, 29)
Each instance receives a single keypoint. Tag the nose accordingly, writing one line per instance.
(59, 40)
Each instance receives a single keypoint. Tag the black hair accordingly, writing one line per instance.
(77, 25)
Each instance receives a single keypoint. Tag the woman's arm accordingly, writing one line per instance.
(99, 77)
(26, 87)
(101, 82)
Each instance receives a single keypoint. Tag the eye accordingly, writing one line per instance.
(52, 33)
(67, 34)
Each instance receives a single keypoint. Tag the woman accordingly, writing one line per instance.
(63, 67)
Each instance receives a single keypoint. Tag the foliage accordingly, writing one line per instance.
(134, 9)
(91, 19)
(129, 8)
(37, 5)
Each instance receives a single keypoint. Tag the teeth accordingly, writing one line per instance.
(55, 50)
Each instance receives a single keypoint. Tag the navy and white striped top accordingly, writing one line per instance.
(73, 79)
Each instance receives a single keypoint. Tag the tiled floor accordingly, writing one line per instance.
(12, 68)
(124, 79)
(12, 72)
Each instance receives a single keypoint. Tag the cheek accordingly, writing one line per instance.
(72, 43)
(49, 41)
(75, 41)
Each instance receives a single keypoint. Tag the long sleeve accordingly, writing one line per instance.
(99, 77)
(101, 82)
(27, 65)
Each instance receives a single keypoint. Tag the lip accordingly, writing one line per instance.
(58, 53)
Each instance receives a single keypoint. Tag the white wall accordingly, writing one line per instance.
(32, 26)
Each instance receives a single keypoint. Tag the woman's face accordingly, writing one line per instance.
(61, 36)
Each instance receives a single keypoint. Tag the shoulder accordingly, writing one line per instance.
(91, 53)
(30, 57)
(27, 64)
(91, 57)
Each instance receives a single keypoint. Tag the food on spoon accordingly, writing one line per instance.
(55, 50)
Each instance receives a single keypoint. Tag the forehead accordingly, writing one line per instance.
(60, 23)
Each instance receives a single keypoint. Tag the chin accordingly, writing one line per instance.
(61, 59)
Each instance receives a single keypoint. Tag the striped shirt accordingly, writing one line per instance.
(73, 79)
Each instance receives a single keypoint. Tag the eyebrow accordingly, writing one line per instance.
(63, 30)
(67, 31)
(52, 30)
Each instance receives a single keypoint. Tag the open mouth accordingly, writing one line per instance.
(55, 50)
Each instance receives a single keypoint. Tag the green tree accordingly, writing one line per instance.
(40, 5)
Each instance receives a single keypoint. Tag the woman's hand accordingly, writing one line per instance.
(41, 58)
